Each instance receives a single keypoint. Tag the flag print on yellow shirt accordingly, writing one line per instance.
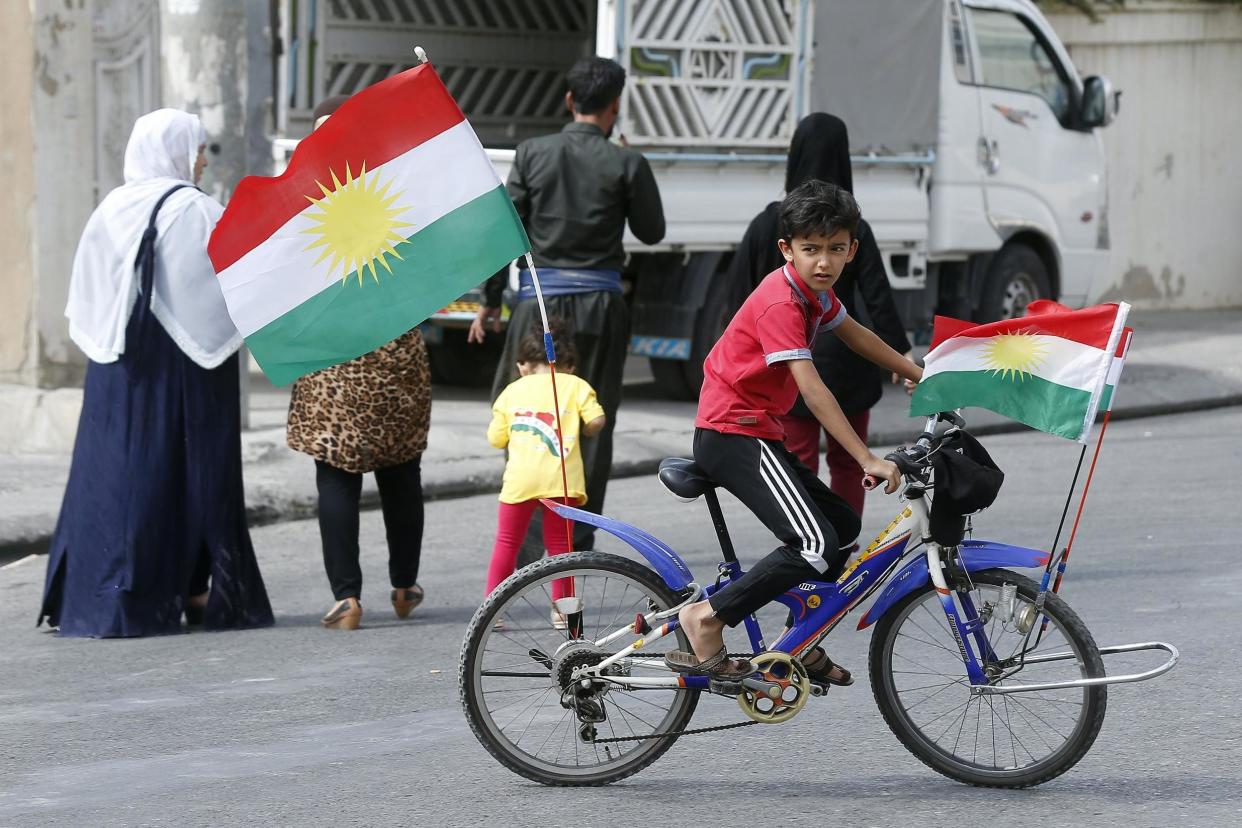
(540, 423)
(524, 423)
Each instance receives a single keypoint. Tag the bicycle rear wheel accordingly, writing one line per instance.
(516, 668)
(1007, 741)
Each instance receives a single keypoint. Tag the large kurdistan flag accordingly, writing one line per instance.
(387, 212)
(1052, 369)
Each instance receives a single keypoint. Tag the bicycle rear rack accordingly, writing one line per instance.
(1174, 655)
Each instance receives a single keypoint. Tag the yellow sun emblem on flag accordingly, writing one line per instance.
(1014, 355)
(357, 224)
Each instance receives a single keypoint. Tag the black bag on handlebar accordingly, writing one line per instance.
(966, 481)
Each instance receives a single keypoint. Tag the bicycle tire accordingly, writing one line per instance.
(900, 721)
(648, 750)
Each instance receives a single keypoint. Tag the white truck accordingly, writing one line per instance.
(977, 158)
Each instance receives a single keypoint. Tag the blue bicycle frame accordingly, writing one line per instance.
(818, 606)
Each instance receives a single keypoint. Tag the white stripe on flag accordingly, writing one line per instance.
(431, 180)
(1062, 361)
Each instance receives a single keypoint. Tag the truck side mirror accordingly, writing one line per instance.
(1100, 103)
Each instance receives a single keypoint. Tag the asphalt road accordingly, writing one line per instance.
(296, 725)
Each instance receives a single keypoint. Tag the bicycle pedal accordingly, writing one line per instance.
(724, 688)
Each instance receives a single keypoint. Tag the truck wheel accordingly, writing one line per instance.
(1016, 277)
(670, 379)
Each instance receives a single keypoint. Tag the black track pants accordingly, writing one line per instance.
(815, 525)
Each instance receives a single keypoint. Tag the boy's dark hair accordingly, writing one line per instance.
(531, 351)
(595, 83)
(818, 207)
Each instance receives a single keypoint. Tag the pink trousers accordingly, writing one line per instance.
(512, 522)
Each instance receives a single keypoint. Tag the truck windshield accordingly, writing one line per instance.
(1012, 57)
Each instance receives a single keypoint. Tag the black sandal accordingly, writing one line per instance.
(196, 613)
(719, 666)
(820, 667)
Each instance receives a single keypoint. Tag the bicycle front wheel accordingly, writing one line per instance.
(1008, 741)
(517, 666)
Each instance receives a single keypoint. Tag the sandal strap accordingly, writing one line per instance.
(817, 659)
(711, 664)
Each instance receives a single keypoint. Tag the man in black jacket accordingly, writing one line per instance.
(575, 191)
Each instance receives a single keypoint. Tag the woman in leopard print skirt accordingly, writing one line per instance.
(370, 414)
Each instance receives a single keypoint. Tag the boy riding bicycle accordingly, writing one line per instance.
(751, 377)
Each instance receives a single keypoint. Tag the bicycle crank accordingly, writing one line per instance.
(780, 690)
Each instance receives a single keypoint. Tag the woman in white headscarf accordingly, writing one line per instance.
(153, 523)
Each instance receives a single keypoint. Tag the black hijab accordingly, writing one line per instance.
(327, 106)
(820, 149)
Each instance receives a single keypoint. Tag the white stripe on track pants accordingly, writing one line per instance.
(815, 525)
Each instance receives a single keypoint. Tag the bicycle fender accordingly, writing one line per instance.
(975, 555)
(663, 560)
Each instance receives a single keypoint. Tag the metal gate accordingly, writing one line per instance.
(713, 73)
(503, 60)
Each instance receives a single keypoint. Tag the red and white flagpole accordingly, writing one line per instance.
(549, 347)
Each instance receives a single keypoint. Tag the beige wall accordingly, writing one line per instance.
(17, 196)
(64, 166)
(1174, 155)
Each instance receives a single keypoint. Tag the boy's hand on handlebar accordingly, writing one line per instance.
(876, 470)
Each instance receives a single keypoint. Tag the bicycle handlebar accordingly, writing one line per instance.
(911, 460)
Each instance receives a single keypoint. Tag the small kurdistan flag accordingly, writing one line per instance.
(1046, 369)
(1114, 370)
(387, 212)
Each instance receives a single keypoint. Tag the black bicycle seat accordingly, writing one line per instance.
(684, 478)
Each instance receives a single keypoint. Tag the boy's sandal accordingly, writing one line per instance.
(820, 667)
(719, 666)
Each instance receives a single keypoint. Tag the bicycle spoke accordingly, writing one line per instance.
(910, 707)
(953, 653)
(552, 733)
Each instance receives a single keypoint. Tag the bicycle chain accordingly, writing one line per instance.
(692, 731)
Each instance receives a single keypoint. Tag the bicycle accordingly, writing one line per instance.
(978, 670)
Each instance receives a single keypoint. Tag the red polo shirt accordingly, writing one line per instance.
(747, 384)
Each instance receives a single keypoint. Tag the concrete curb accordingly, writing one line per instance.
(12, 549)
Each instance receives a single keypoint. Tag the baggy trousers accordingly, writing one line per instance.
(816, 527)
(401, 501)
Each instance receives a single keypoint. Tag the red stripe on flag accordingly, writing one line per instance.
(1123, 344)
(373, 127)
(1090, 326)
(946, 327)
(1046, 306)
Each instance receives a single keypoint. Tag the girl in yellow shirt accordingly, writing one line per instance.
(523, 421)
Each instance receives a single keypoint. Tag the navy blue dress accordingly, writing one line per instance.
(154, 505)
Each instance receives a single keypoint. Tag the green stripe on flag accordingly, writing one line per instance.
(438, 264)
(1037, 402)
